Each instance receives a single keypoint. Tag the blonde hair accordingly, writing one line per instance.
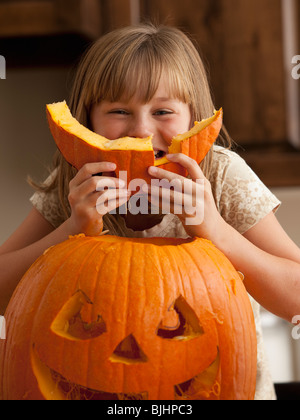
(121, 60)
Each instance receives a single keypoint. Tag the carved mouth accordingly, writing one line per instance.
(55, 386)
(204, 386)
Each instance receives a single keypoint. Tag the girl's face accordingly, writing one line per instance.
(163, 117)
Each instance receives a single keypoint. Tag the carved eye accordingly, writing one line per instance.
(69, 323)
(180, 322)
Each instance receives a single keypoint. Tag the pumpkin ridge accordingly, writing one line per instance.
(210, 251)
(238, 309)
(176, 256)
(104, 249)
(126, 308)
(189, 254)
(40, 296)
(76, 246)
(194, 260)
(116, 293)
(211, 257)
(44, 292)
(160, 269)
(165, 292)
(60, 268)
(252, 343)
(94, 314)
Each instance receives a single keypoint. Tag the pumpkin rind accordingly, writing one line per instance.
(131, 284)
(79, 145)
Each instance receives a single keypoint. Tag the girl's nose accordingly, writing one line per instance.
(140, 128)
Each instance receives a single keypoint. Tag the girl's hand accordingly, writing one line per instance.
(190, 199)
(93, 192)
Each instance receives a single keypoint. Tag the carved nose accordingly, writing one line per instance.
(128, 352)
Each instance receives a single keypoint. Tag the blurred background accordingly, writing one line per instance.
(248, 47)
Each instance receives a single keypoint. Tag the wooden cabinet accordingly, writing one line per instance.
(89, 18)
(241, 41)
(244, 49)
(50, 17)
(56, 32)
(291, 39)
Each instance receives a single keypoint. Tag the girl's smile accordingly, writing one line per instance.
(163, 117)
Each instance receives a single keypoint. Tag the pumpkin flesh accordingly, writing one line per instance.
(79, 145)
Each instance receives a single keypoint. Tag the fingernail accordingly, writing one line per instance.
(153, 170)
(112, 166)
(169, 157)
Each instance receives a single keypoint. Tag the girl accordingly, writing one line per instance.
(145, 80)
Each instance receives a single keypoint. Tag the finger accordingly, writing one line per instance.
(94, 184)
(178, 185)
(89, 201)
(90, 169)
(182, 206)
(167, 205)
(189, 164)
(163, 174)
(165, 193)
(107, 195)
(110, 200)
(107, 207)
(173, 197)
(104, 183)
(190, 197)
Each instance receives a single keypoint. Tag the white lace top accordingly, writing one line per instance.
(242, 200)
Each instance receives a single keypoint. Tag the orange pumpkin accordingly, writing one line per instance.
(79, 145)
(117, 318)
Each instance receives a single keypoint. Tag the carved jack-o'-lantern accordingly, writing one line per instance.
(119, 318)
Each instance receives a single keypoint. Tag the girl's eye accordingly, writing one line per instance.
(163, 112)
(118, 112)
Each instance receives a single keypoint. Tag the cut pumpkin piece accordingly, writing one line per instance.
(79, 145)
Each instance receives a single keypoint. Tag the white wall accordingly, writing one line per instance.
(289, 212)
(283, 351)
(26, 146)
